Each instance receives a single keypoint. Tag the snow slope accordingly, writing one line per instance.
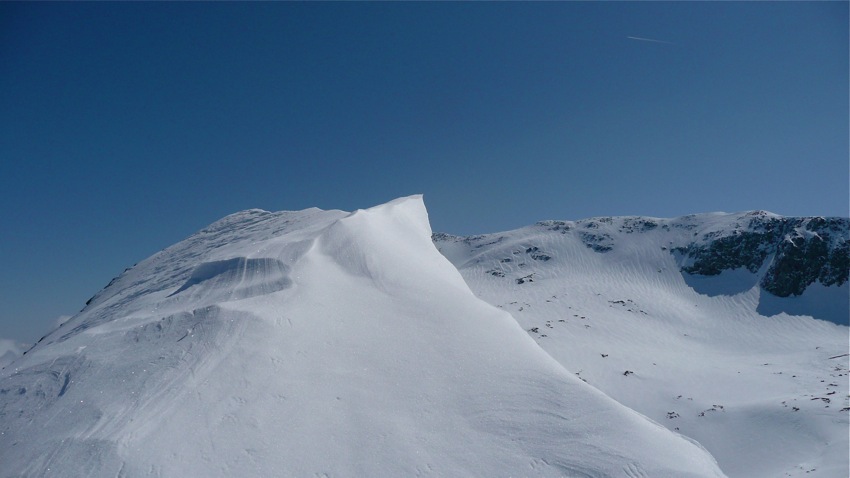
(608, 299)
(313, 343)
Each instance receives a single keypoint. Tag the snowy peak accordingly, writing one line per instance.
(313, 343)
(390, 244)
(271, 242)
(245, 254)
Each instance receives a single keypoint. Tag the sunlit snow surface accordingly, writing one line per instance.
(323, 343)
(605, 297)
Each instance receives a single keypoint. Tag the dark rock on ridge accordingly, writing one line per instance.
(802, 251)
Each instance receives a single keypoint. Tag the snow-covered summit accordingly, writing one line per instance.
(312, 343)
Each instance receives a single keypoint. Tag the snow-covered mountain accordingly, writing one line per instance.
(722, 327)
(323, 343)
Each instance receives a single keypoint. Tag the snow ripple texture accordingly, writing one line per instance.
(761, 381)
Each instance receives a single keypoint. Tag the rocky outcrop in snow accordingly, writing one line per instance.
(801, 251)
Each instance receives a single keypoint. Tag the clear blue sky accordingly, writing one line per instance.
(126, 127)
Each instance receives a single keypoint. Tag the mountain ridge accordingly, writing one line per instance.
(312, 343)
(714, 357)
(797, 251)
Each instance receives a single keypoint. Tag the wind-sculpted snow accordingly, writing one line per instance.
(235, 279)
(313, 344)
(70, 416)
(714, 357)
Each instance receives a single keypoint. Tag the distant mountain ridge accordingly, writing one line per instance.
(707, 324)
(788, 254)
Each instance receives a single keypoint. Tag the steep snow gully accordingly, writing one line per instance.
(327, 343)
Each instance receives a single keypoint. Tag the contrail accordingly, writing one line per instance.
(650, 40)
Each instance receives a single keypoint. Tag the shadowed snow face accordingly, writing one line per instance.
(235, 279)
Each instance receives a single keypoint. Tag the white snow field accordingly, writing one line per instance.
(323, 343)
(606, 298)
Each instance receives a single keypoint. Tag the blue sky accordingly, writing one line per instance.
(126, 127)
